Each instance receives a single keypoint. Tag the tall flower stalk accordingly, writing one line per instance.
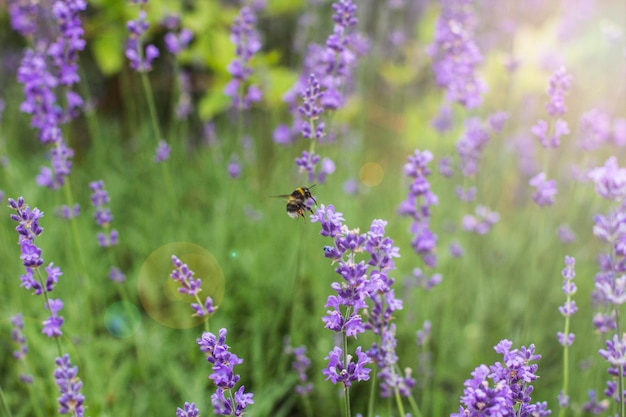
(610, 282)
(504, 388)
(226, 401)
(418, 205)
(566, 338)
(456, 55)
(364, 291)
(49, 72)
(242, 91)
(549, 134)
(324, 83)
(140, 59)
(28, 228)
(190, 286)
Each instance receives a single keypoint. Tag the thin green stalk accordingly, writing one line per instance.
(90, 114)
(78, 247)
(167, 178)
(565, 361)
(346, 396)
(47, 299)
(3, 401)
(370, 403)
(397, 393)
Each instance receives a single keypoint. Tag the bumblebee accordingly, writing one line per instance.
(297, 201)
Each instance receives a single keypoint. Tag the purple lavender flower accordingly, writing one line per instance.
(559, 84)
(497, 120)
(40, 100)
(28, 228)
(162, 152)
(116, 275)
(103, 216)
(247, 43)
(609, 180)
(503, 389)
(52, 325)
(484, 220)
(545, 189)
(569, 307)
(594, 406)
(307, 163)
(234, 167)
(176, 43)
(547, 140)
(140, 60)
(471, 145)
(60, 158)
(190, 286)
(223, 375)
(67, 212)
(24, 16)
(417, 205)
(346, 372)
(332, 65)
(566, 234)
(66, 376)
(615, 355)
(455, 54)
(17, 335)
(64, 50)
(423, 280)
(443, 121)
(311, 110)
(300, 364)
(595, 129)
(445, 166)
(481, 398)
(353, 294)
(456, 250)
(466, 195)
(391, 381)
(184, 276)
(188, 410)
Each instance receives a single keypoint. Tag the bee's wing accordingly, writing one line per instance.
(280, 196)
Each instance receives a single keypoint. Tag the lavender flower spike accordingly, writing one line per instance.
(348, 372)
(456, 55)
(188, 410)
(190, 286)
(66, 376)
(140, 60)
(417, 205)
(497, 389)
(223, 375)
(247, 43)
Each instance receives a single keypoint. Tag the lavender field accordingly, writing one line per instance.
(292, 208)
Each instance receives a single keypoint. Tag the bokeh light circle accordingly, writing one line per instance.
(122, 319)
(371, 174)
(159, 294)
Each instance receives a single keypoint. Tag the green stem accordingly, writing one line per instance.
(167, 178)
(370, 404)
(47, 299)
(90, 114)
(3, 401)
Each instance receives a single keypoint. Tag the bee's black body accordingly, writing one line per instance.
(297, 201)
